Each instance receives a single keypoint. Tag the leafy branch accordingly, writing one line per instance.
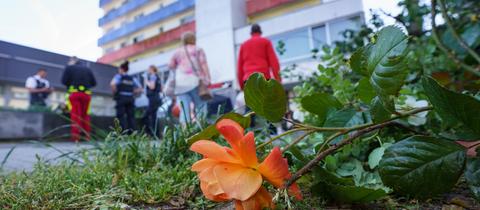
(442, 46)
(320, 156)
(454, 32)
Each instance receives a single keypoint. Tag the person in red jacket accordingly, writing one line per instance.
(257, 55)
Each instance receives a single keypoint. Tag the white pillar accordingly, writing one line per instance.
(215, 24)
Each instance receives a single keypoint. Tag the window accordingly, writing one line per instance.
(123, 44)
(109, 30)
(160, 30)
(296, 43)
(161, 6)
(138, 38)
(125, 22)
(319, 34)
(338, 27)
(138, 16)
(186, 19)
(109, 50)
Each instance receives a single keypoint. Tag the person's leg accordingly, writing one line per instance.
(146, 118)
(184, 101)
(153, 107)
(200, 105)
(75, 117)
(130, 106)
(85, 116)
(120, 107)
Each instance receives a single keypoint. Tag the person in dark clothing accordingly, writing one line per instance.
(79, 80)
(124, 88)
(39, 88)
(153, 87)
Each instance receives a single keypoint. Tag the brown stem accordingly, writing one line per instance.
(347, 141)
(402, 126)
(443, 48)
(459, 39)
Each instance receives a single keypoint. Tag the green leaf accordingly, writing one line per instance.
(323, 175)
(453, 106)
(358, 61)
(376, 155)
(386, 61)
(244, 121)
(365, 91)
(472, 175)
(266, 98)
(206, 134)
(320, 104)
(330, 163)
(422, 166)
(211, 131)
(344, 118)
(348, 193)
(378, 111)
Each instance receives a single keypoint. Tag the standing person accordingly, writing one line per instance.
(79, 80)
(153, 86)
(39, 88)
(257, 56)
(124, 88)
(189, 65)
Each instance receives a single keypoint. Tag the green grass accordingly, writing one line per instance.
(123, 171)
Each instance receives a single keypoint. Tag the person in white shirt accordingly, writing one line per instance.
(39, 88)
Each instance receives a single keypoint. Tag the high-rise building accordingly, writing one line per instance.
(146, 32)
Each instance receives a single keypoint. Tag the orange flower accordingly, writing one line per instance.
(234, 173)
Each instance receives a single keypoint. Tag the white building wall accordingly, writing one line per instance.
(302, 18)
(215, 24)
(222, 25)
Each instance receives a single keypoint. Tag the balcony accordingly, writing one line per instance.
(154, 17)
(123, 10)
(257, 6)
(156, 41)
(104, 2)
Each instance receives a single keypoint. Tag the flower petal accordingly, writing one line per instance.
(243, 146)
(210, 186)
(261, 200)
(247, 151)
(295, 191)
(231, 131)
(208, 195)
(204, 164)
(237, 181)
(210, 149)
(275, 168)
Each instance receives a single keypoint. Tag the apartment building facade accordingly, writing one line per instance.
(147, 32)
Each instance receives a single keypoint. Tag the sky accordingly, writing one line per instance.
(70, 27)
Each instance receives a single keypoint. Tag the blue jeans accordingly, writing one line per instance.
(200, 106)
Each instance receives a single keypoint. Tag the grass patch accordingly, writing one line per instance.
(124, 171)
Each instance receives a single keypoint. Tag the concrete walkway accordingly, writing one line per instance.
(24, 155)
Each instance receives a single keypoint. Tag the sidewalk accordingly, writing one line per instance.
(24, 155)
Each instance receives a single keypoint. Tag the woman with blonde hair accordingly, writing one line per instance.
(190, 70)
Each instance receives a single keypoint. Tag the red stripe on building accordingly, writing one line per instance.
(139, 47)
(256, 6)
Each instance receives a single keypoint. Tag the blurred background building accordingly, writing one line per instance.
(146, 32)
(18, 62)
